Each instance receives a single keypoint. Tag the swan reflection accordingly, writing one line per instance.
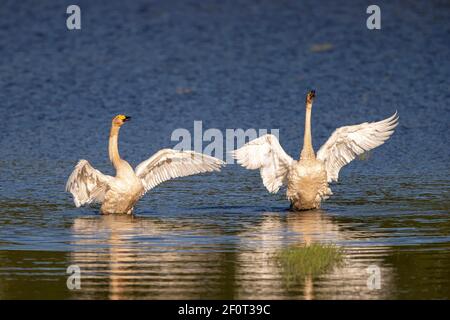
(260, 276)
(128, 257)
(124, 257)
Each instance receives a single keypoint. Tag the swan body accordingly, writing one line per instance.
(308, 178)
(119, 194)
(307, 184)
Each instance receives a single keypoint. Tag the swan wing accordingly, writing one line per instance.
(348, 142)
(167, 164)
(87, 184)
(266, 154)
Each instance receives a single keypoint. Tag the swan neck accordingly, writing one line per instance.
(307, 151)
(113, 146)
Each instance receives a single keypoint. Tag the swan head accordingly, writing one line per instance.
(120, 119)
(310, 97)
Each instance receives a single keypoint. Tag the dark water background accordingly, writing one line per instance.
(231, 64)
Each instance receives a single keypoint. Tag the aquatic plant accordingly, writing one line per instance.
(298, 262)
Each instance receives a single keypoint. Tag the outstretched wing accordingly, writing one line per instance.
(266, 154)
(167, 164)
(87, 184)
(347, 142)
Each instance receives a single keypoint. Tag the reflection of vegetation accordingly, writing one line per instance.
(298, 262)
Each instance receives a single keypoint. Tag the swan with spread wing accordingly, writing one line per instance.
(119, 194)
(307, 179)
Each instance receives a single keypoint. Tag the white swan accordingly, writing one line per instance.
(120, 193)
(307, 179)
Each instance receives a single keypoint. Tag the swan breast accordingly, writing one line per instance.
(122, 195)
(307, 183)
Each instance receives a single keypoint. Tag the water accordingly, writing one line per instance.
(240, 64)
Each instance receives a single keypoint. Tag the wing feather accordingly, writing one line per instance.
(348, 142)
(168, 164)
(87, 184)
(265, 153)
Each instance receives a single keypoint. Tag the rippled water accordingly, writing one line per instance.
(241, 64)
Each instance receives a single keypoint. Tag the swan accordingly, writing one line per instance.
(119, 194)
(308, 179)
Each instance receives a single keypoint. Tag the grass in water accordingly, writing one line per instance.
(297, 262)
